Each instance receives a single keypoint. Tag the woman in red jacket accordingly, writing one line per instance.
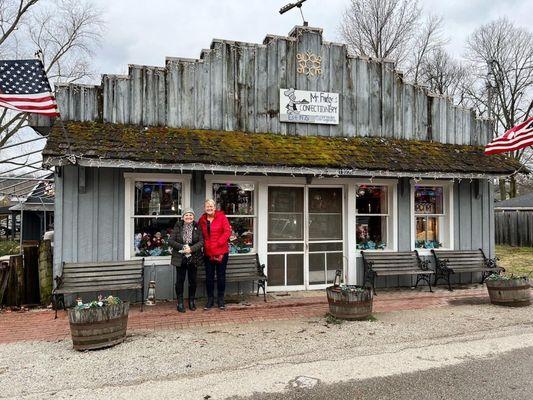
(216, 231)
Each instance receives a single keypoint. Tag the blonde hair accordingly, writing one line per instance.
(210, 201)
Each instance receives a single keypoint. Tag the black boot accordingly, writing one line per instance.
(210, 303)
(181, 307)
(192, 304)
(221, 304)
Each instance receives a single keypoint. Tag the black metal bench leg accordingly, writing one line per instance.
(449, 282)
(429, 283)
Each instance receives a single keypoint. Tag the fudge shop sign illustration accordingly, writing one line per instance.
(308, 107)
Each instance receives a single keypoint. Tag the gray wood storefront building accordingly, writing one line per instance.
(313, 154)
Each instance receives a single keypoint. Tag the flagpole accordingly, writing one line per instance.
(39, 56)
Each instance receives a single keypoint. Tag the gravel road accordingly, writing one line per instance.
(240, 360)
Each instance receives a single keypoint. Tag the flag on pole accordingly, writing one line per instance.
(516, 138)
(25, 87)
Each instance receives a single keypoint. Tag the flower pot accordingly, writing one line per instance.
(514, 292)
(351, 303)
(100, 327)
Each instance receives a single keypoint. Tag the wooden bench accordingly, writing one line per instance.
(449, 262)
(243, 268)
(395, 263)
(99, 277)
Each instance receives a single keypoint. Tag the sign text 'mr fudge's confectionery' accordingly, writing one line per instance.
(308, 107)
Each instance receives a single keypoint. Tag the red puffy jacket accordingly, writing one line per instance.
(217, 238)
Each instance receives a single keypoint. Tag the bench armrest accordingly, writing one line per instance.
(59, 280)
(261, 269)
(442, 265)
(424, 264)
(492, 263)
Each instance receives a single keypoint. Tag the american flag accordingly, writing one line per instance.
(516, 138)
(24, 87)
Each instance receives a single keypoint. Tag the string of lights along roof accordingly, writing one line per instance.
(25, 87)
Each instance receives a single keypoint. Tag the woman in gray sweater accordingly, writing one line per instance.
(187, 242)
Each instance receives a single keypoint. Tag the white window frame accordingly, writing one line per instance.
(392, 216)
(129, 198)
(447, 206)
(210, 180)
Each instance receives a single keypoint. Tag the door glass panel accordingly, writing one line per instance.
(325, 214)
(334, 262)
(276, 270)
(317, 267)
(282, 247)
(295, 269)
(285, 213)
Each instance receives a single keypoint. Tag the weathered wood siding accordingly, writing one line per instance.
(235, 86)
(514, 228)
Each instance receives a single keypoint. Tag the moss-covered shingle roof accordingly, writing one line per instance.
(171, 146)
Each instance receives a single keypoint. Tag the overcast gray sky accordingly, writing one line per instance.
(145, 31)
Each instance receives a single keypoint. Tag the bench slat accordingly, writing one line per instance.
(82, 289)
(106, 264)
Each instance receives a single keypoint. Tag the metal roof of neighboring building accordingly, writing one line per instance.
(521, 202)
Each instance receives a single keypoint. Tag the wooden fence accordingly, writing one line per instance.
(514, 228)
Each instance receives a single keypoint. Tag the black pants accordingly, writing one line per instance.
(220, 269)
(189, 269)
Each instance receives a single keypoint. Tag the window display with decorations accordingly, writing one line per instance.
(157, 207)
(430, 217)
(236, 200)
(372, 218)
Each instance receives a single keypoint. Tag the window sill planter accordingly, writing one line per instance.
(350, 302)
(100, 327)
(511, 291)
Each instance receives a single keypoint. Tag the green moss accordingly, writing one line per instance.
(171, 145)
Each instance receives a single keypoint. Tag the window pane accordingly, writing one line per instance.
(427, 233)
(151, 236)
(285, 226)
(279, 247)
(286, 199)
(317, 268)
(371, 233)
(158, 198)
(325, 200)
(234, 198)
(325, 213)
(325, 246)
(295, 269)
(372, 199)
(242, 235)
(428, 200)
(285, 213)
(276, 270)
(325, 226)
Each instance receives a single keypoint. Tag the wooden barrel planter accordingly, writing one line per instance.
(353, 303)
(509, 292)
(100, 327)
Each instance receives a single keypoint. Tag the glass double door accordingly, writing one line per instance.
(305, 236)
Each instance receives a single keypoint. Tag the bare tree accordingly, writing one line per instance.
(502, 58)
(428, 39)
(380, 28)
(62, 32)
(444, 75)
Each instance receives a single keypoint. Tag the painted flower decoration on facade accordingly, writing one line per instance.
(309, 64)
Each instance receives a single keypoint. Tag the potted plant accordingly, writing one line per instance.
(509, 290)
(98, 324)
(349, 302)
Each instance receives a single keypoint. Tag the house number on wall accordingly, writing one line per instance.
(309, 64)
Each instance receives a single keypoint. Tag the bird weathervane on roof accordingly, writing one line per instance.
(290, 6)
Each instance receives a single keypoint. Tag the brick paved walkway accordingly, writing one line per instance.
(41, 325)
